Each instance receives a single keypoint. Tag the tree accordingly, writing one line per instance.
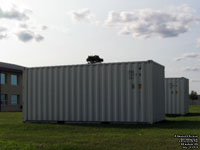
(193, 95)
(94, 59)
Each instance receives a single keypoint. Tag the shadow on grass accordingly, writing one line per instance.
(178, 124)
(166, 124)
(182, 124)
(192, 114)
(187, 115)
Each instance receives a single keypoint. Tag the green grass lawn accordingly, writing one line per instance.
(16, 135)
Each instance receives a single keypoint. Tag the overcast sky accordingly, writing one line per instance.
(52, 32)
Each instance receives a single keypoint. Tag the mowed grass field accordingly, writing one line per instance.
(16, 135)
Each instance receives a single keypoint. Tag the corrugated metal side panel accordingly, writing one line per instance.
(181, 101)
(167, 100)
(119, 92)
(176, 96)
(186, 110)
(25, 108)
(158, 97)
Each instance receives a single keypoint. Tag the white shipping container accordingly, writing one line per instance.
(176, 96)
(108, 92)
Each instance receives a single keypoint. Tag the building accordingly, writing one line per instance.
(10, 87)
(128, 92)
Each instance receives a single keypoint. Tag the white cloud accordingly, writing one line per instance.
(2, 29)
(14, 14)
(3, 34)
(27, 32)
(23, 25)
(32, 26)
(20, 22)
(44, 27)
(195, 56)
(145, 23)
(196, 80)
(83, 15)
(39, 37)
(198, 43)
(187, 55)
(26, 36)
(194, 69)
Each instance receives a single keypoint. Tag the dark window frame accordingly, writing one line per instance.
(5, 101)
(17, 99)
(4, 78)
(11, 81)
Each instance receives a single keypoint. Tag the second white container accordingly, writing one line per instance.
(176, 96)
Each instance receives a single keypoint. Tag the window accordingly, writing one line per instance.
(14, 99)
(13, 79)
(3, 78)
(4, 100)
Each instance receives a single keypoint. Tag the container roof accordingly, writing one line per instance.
(97, 64)
(176, 78)
(11, 67)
